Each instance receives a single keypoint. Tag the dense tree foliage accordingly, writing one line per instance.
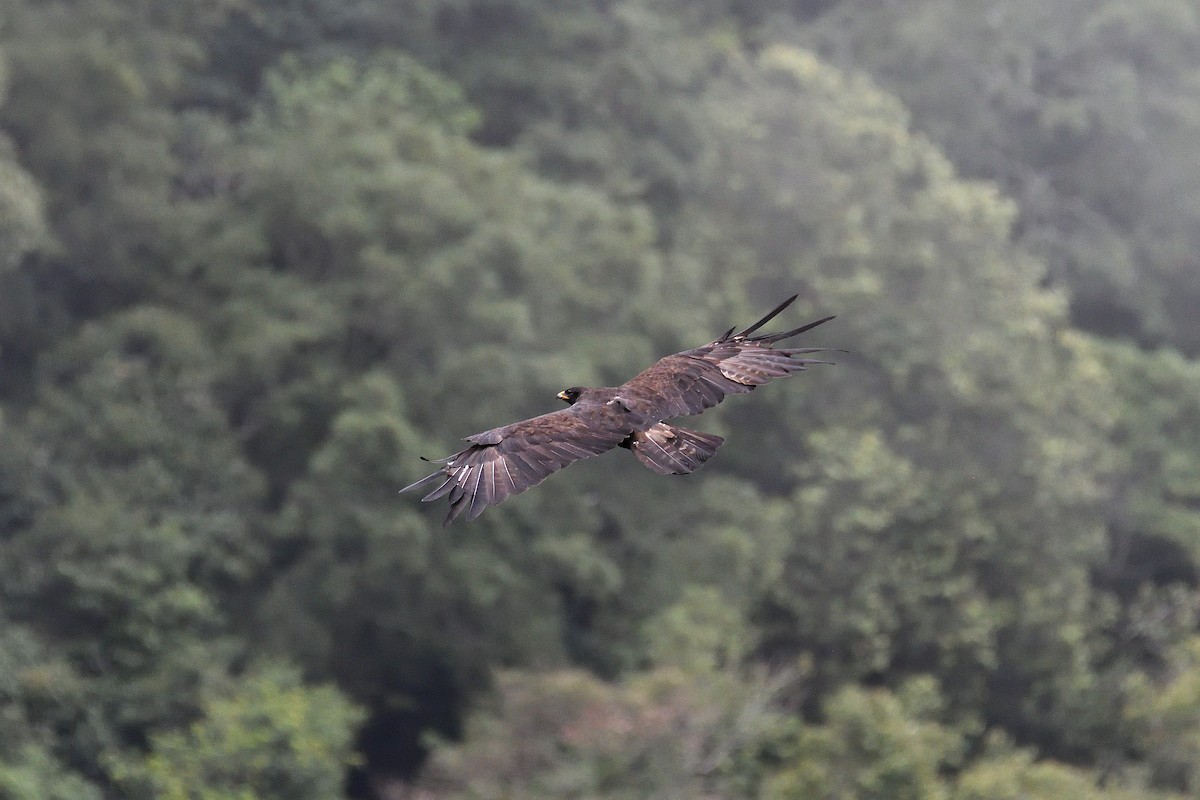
(1086, 112)
(256, 258)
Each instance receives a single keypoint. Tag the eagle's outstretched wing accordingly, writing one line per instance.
(694, 380)
(508, 460)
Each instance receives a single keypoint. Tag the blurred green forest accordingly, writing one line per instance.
(258, 256)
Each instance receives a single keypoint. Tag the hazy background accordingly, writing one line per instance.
(256, 257)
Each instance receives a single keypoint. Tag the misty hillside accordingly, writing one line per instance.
(257, 258)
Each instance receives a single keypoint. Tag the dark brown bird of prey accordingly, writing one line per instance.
(508, 460)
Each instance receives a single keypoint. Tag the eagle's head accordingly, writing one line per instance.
(569, 396)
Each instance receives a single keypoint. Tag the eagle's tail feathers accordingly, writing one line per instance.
(670, 450)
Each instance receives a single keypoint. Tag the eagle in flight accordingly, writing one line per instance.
(508, 460)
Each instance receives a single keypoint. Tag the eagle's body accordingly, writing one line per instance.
(508, 460)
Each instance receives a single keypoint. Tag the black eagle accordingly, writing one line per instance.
(508, 460)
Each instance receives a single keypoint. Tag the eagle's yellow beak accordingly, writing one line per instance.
(563, 396)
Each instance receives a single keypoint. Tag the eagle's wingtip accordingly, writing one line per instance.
(774, 312)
